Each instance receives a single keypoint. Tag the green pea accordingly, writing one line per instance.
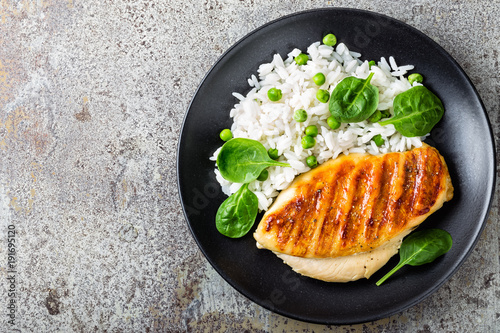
(415, 77)
(308, 142)
(300, 115)
(226, 134)
(311, 130)
(323, 95)
(263, 175)
(311, 161)
(319, 79)
(301, 59)
(274, 94)
(333, 123)
(371, 63)
(384, 114)
(376, 116)
(330, 40)
(273, 153)
(378, 140)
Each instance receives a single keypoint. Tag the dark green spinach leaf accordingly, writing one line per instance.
(354, 100)
(236, 215)
(420, 248)
(242, 160)
(416, 111)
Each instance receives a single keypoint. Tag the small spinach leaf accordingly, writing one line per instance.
(354, 100)
(416, 111)
(236, 215)
(420, 248)
(242, 160)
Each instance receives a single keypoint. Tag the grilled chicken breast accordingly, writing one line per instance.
(355, 204)
(345, 268)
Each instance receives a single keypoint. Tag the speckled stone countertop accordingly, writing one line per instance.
(92, 98)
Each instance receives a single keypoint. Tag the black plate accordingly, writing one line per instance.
(463, 136)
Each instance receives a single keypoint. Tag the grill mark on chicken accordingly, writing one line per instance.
(417, 180)
(403, 208)
(348, 205)
(352, 229)
(387, 173)
(429, 185)
(355, 203)
(306, 230)
(369, 199)
(395, 191)
(331, 222)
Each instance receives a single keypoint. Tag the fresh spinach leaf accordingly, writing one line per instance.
(236, 215)
(420, 248)
(242, 160)
(354, 100)
(416, 111)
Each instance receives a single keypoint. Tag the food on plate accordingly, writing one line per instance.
(242, 160)
(416, 112)
(345, 268)
(237, 213)
(283, 101)
(415, 77)
(352, 212)
(354, 99)
(330, 40)
(363, 122)
(225, 134)
(421, 247)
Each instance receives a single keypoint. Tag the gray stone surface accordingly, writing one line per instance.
(92, 97)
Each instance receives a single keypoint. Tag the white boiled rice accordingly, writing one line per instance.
(271, 123)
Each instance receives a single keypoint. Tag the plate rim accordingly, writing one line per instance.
(481, 220)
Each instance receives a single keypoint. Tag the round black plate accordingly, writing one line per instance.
(463, 136)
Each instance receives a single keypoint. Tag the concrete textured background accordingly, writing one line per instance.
(92, 98)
